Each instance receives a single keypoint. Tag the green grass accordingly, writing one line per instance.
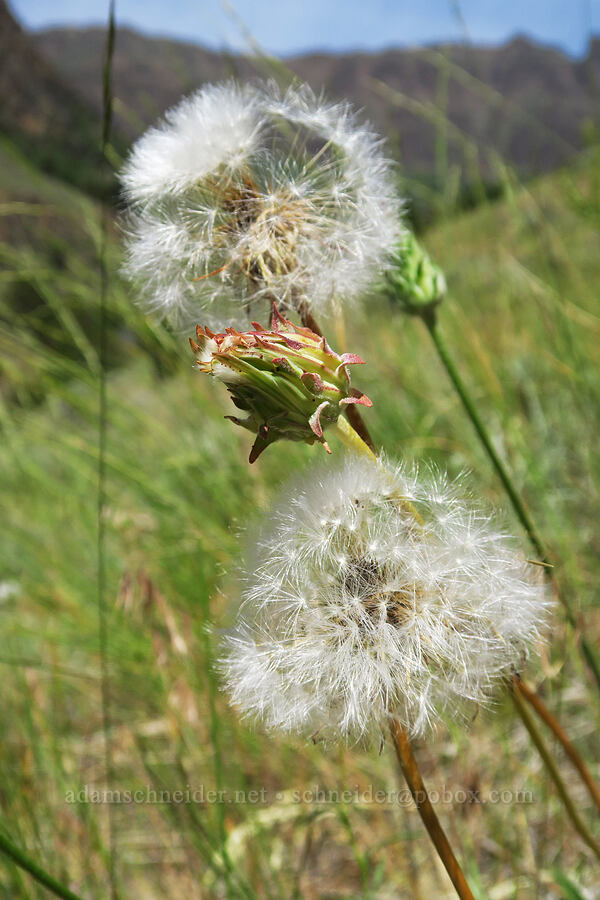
(523, 321)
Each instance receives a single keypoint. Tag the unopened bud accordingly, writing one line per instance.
(413, 280)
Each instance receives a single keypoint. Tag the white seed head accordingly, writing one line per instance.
(355, 610)
(243, 195)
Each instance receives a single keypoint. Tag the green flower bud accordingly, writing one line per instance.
(288, 380)
(413, 280)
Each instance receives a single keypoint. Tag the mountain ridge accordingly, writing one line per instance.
(44, 116)
(456, 117)
(528, 103)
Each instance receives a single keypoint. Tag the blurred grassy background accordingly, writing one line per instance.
(523, 321)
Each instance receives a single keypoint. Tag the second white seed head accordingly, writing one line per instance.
(355, 610)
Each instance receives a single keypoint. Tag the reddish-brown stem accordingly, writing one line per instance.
(571, 809)
(556, 728)
(354, 417)
(417, 788)
(307, 318)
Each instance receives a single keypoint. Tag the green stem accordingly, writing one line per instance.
(563, 791)
(503, 473)
(430, 319)
(352, 439)
(29, 865)
(348, 435)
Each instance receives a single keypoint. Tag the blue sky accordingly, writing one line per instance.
(292, 26)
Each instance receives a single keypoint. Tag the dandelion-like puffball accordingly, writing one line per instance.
(357, 609)
(243, 194)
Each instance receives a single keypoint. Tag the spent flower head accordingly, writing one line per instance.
(356, 608)
(242, 195)
(288, 379)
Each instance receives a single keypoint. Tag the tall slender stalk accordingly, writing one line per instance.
(102, 422)
(429, 317)
(552, 768)
(29, 865)
(417, 788)
(467, 401)
(536, 703)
